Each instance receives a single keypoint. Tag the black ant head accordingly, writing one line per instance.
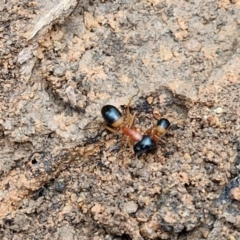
(147, 144)
(163, 123)
(162, 126)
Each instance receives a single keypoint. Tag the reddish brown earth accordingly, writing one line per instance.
(63, 176)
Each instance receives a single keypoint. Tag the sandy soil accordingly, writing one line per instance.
(63, 176)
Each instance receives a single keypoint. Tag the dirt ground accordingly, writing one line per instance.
(63, 176)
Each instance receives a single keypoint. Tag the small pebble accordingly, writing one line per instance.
(218, 110)
(187, 157)
(150, 100)
(235, 192)
(130, 207)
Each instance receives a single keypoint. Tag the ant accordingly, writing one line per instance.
(115, 121)
(145, 143)
(149, 141)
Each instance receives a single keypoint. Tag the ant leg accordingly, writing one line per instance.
(159, 139)
(177, 120)
(106, 127)
(131, 123)
(111, 129)
(123, 140)
(150, 131)
(129, 143)
(128, 106)
(86, 126)
(155, 137)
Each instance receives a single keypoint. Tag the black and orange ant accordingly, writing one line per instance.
(115, 121)
(144, 143)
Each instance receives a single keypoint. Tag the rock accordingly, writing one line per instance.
(130, 207)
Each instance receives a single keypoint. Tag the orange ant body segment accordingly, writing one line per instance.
(134, 135)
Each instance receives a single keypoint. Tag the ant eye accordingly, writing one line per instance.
(110, 114)
(144, 146)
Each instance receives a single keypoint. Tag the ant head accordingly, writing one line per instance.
(162, 125)
(147, 144)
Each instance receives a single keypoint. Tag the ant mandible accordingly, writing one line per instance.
(115, 121)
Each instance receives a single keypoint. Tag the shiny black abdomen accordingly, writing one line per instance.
(144, 146)
(110, 114)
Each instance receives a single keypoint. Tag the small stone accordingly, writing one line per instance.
(182, 24)
(169, 218)
(166, 53)
(150, 100)
(58, 71)
(31, 95)
(90, 21)
(212, 120)
(205, 233)
(210, 155)
(156, 113)
(130, 207)
(184, 177)
(193, 45)
(141, 217)
(98, 208)
(236, 193)
(224, 155)
(150, 230)
(60, 186)
(187, 157)
(218, 110)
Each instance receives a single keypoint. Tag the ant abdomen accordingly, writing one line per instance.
(112, 115)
